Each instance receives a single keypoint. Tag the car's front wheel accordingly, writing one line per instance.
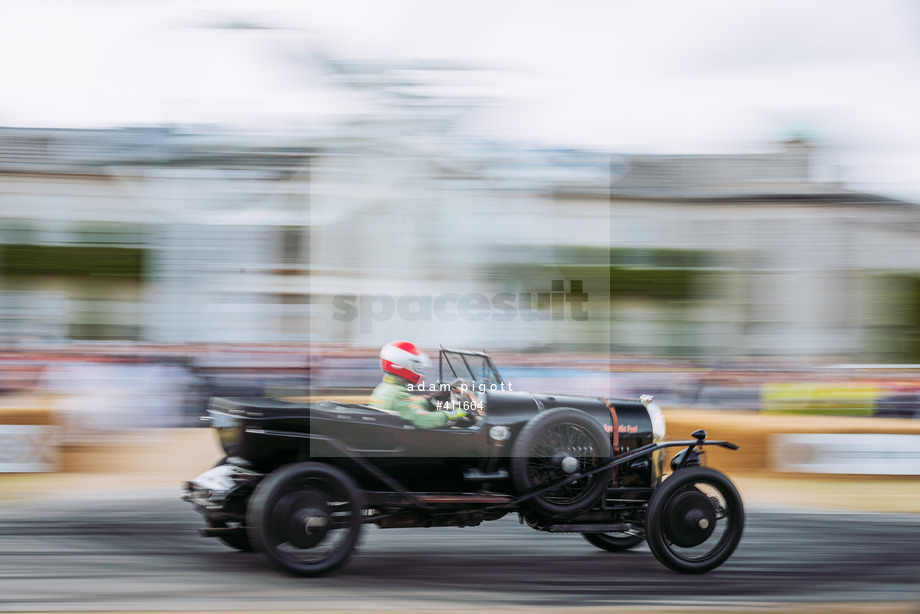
(238, 539)
(306, 518)
(694, 520)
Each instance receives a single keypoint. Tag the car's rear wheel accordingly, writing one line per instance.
(553, 446)
(694, 521)
(613, 542)
(237, 540)
(306, 518)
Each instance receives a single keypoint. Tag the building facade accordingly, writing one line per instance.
(168, 236)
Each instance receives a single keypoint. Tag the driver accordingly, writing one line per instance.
(402, 362)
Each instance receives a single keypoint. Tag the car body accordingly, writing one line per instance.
(300, 479)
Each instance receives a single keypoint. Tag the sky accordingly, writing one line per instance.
(665, 76)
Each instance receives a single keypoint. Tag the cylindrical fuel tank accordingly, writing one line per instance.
(636, 428)
(633, 423)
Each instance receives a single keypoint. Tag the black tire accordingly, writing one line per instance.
(306, 518)
(237, 541)
(539, 449)
(613, 542)
(694, 521)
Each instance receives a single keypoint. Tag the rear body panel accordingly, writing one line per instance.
(270, 433)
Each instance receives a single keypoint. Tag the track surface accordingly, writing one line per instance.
(115, 552)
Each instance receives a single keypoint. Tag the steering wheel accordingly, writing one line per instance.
(461, 394)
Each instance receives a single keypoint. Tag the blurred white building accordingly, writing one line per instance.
(744, 255)
(172, 236)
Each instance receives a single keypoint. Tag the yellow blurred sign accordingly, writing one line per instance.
(819, 398)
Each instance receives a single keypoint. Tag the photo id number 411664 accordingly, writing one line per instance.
(464, 405)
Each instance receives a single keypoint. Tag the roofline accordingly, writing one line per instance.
(830, 199)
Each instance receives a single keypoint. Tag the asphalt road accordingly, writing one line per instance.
(142, 552)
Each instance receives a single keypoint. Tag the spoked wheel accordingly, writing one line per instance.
(306, 518)
(694, 520)
(554, 445)
(613, 542)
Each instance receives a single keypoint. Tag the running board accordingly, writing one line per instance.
(589, 528)
(475, 475)
(221, 531)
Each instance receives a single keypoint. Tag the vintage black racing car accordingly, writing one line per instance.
(300, 480)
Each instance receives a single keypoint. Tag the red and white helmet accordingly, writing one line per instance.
(404, 359)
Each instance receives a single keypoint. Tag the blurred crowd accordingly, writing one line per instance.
(102, 388)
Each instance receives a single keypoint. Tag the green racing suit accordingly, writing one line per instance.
(392, 394)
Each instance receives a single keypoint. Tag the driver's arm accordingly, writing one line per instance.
(442, 395)
(412, 409)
